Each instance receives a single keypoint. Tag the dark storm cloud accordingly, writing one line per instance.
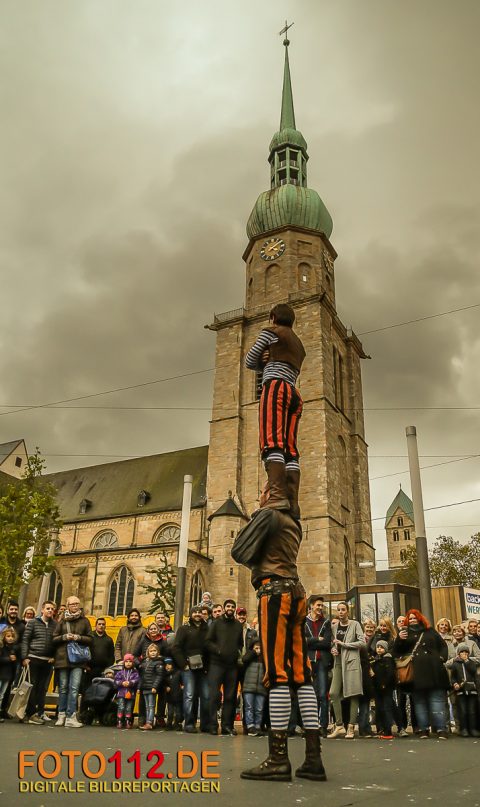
(134, 144)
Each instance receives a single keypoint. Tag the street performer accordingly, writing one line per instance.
(282, 610)
(279, 353)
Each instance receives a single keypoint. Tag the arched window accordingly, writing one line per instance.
(105, 540)
(395, 535)
(406, 535)
(55, 588)
(170, 534)
(120, 595)
(343, 471)
(196, 589)
(306, 276)
(346, 562)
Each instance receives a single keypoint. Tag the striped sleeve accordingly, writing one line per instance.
(253, 359)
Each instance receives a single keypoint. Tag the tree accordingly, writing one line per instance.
(165, 588)
(29, 515)
(451, 563)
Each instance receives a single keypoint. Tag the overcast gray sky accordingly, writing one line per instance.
(133, 145)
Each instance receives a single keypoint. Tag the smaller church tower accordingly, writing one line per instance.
(400, 529)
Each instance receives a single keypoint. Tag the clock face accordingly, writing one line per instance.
(327, 261)
(272, 249)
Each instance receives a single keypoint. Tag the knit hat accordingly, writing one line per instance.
(168, 660)
(128, 657)
(383, 644)
(463, 648)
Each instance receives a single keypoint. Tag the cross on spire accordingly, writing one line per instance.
(284, 30)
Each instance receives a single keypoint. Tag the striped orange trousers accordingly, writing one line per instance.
(281, 624)
(279, 414)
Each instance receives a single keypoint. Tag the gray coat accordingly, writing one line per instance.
(349, 658)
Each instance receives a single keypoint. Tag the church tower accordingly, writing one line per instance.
(290, 258)
(400, 529)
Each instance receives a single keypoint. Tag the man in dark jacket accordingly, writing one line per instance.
(318, 632)
(279, 354)
(130, 636)
(37, 654)
(11, 620)
(224, 644)
(190, 642)
(102, 651)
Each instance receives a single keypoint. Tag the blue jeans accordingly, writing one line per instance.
(253, 704)
(384, 712)
(430, 708)
(149, 698)
(195, 685)
(68, 687)
(364, 725)
(320, 685)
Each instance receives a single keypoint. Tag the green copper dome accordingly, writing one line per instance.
(289, 205)
(289, 202)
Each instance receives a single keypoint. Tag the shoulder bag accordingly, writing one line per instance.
(404, 665)
(77, 653)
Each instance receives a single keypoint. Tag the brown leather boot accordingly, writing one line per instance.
(277, 487)
(276, 767)
(312, 768)
(293, 485)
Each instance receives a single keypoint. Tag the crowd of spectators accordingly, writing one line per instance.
(208, 675)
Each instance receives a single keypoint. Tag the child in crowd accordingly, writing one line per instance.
(463, 676)
(384, 681)
(151, 676)
(254, 693)
(126, 683)
(173, 695)
(8, 662)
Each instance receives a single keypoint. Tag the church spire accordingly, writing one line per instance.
(287, 117)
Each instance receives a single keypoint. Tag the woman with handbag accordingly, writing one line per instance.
(71, 639)
(420, 654)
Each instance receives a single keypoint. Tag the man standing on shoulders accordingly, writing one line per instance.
(130, 636)
(279, 353)
(189, 652)
(318, 632)
(224, 645)
(37, 655)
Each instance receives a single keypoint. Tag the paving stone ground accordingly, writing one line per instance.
(360, 772)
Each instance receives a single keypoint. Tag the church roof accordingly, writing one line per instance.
(112, 489)
(8, 448)
(228, 508)
(402, 502)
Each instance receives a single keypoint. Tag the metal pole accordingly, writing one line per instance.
(183, 551)
(425, 585)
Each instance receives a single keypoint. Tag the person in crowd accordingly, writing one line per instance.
(206, 600)
(472, 631)
(126, 684)
(12, 620)
(151, 676)
(318, 633)
(430, 678)
(224, 644)
(464, 678)
(152, 635)
(368, 694)
(38, 655)
(459, 637)
(102, 650)
(74, 627)
(60, 612)
(384, 680)
(28, 613)
(385, 632)
(8, 662)
(248, 632)
(347, 639)
(164, 627)
(130, 636)
(403, 697)
(173, 695)
(206, 612)
(369, 628)
(189, 651)
(254, 693)
(444, 628)
(400, 622)
(217, 610)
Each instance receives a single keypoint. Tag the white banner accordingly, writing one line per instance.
(472, 602)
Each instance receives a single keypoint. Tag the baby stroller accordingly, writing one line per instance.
(98, 702)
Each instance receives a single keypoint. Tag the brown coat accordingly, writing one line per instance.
(81, 626)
